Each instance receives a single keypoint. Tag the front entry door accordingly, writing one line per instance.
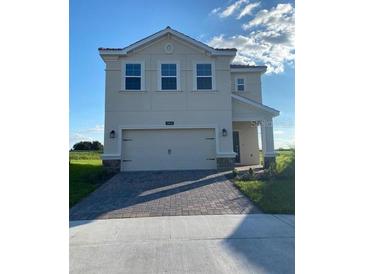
(236, 145)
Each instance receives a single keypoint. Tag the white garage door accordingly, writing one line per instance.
(168, 149)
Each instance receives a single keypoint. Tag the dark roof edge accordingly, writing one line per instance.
(227, 49)
(168, 28)
(220, 49)
(110, 48)
(246, 66)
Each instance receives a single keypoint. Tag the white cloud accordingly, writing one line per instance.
(271, 42)
(215, 11)
(96, 129)
(279, 16)
(232, 8)
(77, 137)
(284, 143)
(248, 9)
(280, 143)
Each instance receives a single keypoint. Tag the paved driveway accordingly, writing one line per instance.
(253, 243)
(167, 193)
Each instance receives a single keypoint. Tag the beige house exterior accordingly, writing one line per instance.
(174, 103)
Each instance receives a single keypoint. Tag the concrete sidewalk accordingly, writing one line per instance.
(252, 243)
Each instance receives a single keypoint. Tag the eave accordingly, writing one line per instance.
(158, 35)
(273, 112)
(261, 69)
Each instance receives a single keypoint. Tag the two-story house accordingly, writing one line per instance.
(174, 103)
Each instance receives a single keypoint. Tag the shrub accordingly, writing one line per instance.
(250, 171)
(285, 165)
(271, 171)
(234, 173)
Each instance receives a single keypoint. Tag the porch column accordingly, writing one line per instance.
(267, 142)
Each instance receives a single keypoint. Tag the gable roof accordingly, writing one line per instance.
(247, 68)
(267, 109)
(161, 33)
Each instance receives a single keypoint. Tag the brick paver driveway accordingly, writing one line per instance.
(164, 193)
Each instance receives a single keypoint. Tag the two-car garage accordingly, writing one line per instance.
(168, 149)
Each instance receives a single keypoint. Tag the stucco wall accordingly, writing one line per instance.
(245, 112)
(153, 107)
(249, 147)
(252, 85)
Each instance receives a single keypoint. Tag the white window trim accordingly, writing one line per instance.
(236, 83)
(159, 75)
(143, 87)
(195, 76)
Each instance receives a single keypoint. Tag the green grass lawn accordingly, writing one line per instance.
(84, 155)
(85, 175)
(277, 194)
(278, 152)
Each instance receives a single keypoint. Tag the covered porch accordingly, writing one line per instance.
(247, 117)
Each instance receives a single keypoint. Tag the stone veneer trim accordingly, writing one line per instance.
(112, 164)
(224, 164)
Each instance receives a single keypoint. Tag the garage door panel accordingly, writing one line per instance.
(170, 149)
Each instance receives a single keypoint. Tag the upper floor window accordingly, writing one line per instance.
(169, 79)
(240, 84)
(204, 77)
(133, 76)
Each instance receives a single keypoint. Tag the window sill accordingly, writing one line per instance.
(169, 91)
(132, 91)
(205, 91)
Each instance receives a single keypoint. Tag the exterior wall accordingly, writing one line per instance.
(248, 138)
(252, 85)
(151, 108)
(244, 112)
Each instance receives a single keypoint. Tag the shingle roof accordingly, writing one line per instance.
(229, 49)
(246, 66)
(220, 49)
(110, 48)
(170, 29)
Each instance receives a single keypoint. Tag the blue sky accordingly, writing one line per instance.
(262, 31)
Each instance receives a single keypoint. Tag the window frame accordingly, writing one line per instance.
(124, 76)
(195, 76)
(236, 84)
(159, 73)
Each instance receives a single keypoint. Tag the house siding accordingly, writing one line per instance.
(252, 85)
(153, 107)
(188, 109)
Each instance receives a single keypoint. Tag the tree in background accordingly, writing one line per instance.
(86, 145)
(96, 145)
